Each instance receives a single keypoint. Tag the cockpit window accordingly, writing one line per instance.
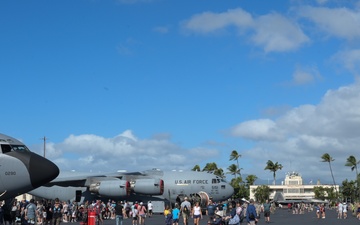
(15, 148)
(215, 181)
(5, 148)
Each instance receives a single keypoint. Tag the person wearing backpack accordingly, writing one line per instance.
(57, 212)
(185, 210)
(251, 215)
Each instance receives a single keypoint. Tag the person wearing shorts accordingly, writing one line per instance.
(176, 214)
(185, 210)
(267, 206)
(196, 212)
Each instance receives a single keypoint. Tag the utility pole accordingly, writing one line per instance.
(44, 139)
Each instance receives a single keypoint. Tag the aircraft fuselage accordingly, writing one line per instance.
(150, 184)
(22, 170)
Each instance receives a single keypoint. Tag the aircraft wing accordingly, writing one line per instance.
(120, 183)
(75, 181)
(73, 178)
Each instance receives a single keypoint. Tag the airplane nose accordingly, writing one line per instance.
(41, 170)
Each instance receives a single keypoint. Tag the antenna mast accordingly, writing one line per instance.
(44, 139)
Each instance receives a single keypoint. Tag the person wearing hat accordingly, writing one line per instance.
(344, 210)
(119, 216)
(217, 219)
(185, 209)
(142, 213)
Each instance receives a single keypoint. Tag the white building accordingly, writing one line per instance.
(292, 188)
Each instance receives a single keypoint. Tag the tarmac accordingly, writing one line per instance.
(279, 217)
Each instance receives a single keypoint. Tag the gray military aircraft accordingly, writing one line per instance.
(22, 170)
(153, 184)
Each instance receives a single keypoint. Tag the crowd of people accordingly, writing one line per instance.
(248, 212)
(343, 209)
(52, 212)
(218, 213)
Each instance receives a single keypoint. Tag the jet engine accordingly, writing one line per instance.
(111, 188)
(148, 186)
(201, 197)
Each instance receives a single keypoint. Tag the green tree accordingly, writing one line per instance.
(324, 193)
(244, 192)
(196, 168)
(319, 192)
(352, 162)
(235, 182)
(210, 167)
(327, 158)
(348, 189)
(219, 172)
(233, 170)
(262, 193)
(273, 167)
(250, 179)
(234, 156)
(240, 189)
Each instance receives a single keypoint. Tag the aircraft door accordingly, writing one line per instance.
(78, 194)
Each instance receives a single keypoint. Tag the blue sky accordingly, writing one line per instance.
(137, 84)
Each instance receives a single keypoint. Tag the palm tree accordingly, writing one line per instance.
(352, 162)
(213, 168)
(219, 172)
(196, 168)
(233, 170)
(235, 156)
(210, 167)
(327, 158)
(235, 182)
(273, 167)
(250, 179)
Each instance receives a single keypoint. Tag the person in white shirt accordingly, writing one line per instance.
(340, 210)
(196, 213)
(344, 209)
(150, 208)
